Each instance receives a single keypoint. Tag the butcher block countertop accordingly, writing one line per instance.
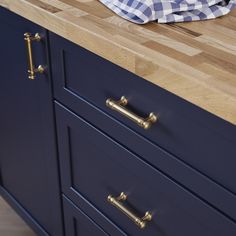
(196, 61)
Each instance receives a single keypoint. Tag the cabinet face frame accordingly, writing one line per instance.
(28, 156)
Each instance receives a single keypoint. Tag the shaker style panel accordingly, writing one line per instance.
(28, 161)
(195, 137)
(96, 168)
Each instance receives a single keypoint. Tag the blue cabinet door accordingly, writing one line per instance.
(28, 165)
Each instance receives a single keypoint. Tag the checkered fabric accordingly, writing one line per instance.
(166, 11)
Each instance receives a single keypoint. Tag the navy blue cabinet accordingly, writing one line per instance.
(28, 162)
(70, 158)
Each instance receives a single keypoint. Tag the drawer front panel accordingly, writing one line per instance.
(93, 166)
(197, 138)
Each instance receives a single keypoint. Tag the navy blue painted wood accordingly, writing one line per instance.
(78, 223)
(94, 166)
(28, 163)
(205, 140)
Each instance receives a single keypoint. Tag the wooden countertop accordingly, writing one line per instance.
(196, 61)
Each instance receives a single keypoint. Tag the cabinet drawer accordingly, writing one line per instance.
(78, 223)
(194, 136)
(93, 166)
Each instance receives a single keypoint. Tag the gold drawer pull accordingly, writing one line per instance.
(119, 106)
(140, 222)
(32, 70)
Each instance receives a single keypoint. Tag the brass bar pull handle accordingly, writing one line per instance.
(32, 70)
(117, 202)
(119, 106)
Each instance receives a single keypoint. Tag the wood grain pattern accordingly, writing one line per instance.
(196, 61)
(11, 224)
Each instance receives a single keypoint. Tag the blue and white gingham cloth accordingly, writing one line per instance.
(166, 11)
